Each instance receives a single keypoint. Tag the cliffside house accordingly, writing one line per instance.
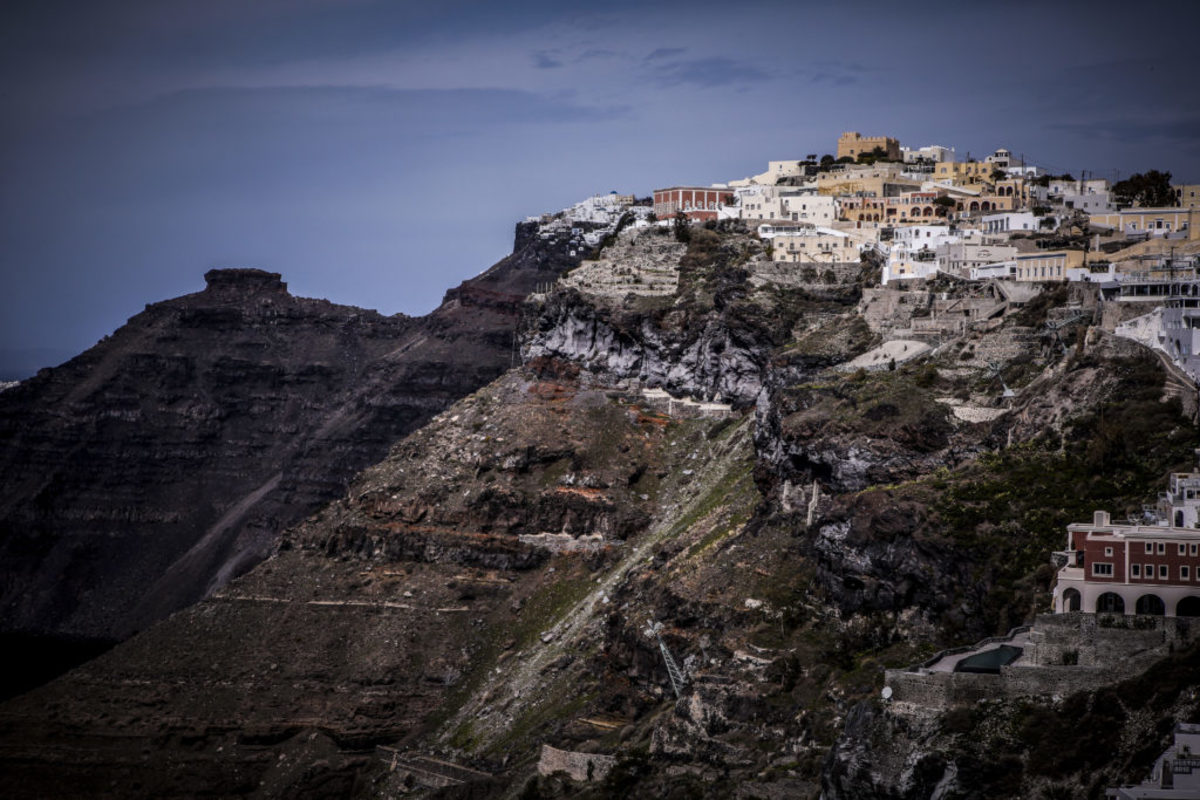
(1136, 568)
(1176, 773)
(699, 203)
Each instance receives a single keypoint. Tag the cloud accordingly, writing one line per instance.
(546, 59)
(710, 72)
(1183, 132)
(596, 52)
(666, 52)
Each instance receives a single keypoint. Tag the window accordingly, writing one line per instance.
(1162, 571)
(1135, 570)
(1185, 573)
(1108, 551)
(1149, 547)
(1194, 548)
(1162, 548)
(1183, 549)
(1102, 569)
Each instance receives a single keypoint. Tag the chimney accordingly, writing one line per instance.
(1100, 519)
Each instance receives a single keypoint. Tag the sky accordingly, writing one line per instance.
(378, 152)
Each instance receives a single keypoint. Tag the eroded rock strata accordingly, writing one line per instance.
(151, 469)
(786, 525)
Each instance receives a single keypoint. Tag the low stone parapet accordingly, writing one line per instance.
(578, 766)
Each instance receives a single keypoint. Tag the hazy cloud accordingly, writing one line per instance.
(595, 53)
(1177, 131)
(710, 72)
(546, 59)
(666, 52)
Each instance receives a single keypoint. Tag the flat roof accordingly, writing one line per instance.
(1136, 531)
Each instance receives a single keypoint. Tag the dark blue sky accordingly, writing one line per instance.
(377, 152)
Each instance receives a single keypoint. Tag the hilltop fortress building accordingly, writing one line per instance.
(852, 143)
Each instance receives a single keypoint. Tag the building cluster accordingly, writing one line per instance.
(927, 213)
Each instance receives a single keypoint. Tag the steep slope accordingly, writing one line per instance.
(502, 579)
(164, 461)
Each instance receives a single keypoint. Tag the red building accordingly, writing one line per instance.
(1130, 569)
(697, 202)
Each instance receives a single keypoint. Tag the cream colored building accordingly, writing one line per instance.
(1178, 223)
(960, 258)
(808, 244)
(1187, 194)
(852, 144)
(866, 183)
(964, 173)
(1047, 265)
(768, 203)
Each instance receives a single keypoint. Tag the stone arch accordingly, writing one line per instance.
(1150, 604)
(974, 206)
(1110, 603)
(929, 211)
(1071, 600)
(985, 206)
(1188, 606)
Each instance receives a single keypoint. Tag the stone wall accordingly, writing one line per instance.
(1105, 648)
(575, 764)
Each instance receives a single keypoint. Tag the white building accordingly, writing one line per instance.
(961, 257)
(930, 154)
(1176, 773)
(912, 254)
(1062, 188)
(1009, 221)
(1092, 202)
(787, 203)
(998, 270)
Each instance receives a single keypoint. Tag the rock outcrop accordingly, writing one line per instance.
(150, 470)
(505, 576)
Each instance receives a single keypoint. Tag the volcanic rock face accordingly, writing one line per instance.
(153, 468)
(502, 578)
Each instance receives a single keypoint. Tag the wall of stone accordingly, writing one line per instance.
(1105, 651)
(574, 764)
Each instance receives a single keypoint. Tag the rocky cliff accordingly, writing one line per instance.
(150, 470)
(503, 577)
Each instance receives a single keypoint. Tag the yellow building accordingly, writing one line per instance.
(813, 246)
(852, 144)
(1187, 194)
(1016, 188)
(964, 173)
(874, 182)
(1047, 265)
(1152, 221)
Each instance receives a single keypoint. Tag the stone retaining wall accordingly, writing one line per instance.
(575, 764)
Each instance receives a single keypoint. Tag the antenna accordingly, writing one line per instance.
(996, 369)
(1052, 327)
(678, 679)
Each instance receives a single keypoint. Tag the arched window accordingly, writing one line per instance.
(1150, 604)
(1188, 607)
(1110, 603)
